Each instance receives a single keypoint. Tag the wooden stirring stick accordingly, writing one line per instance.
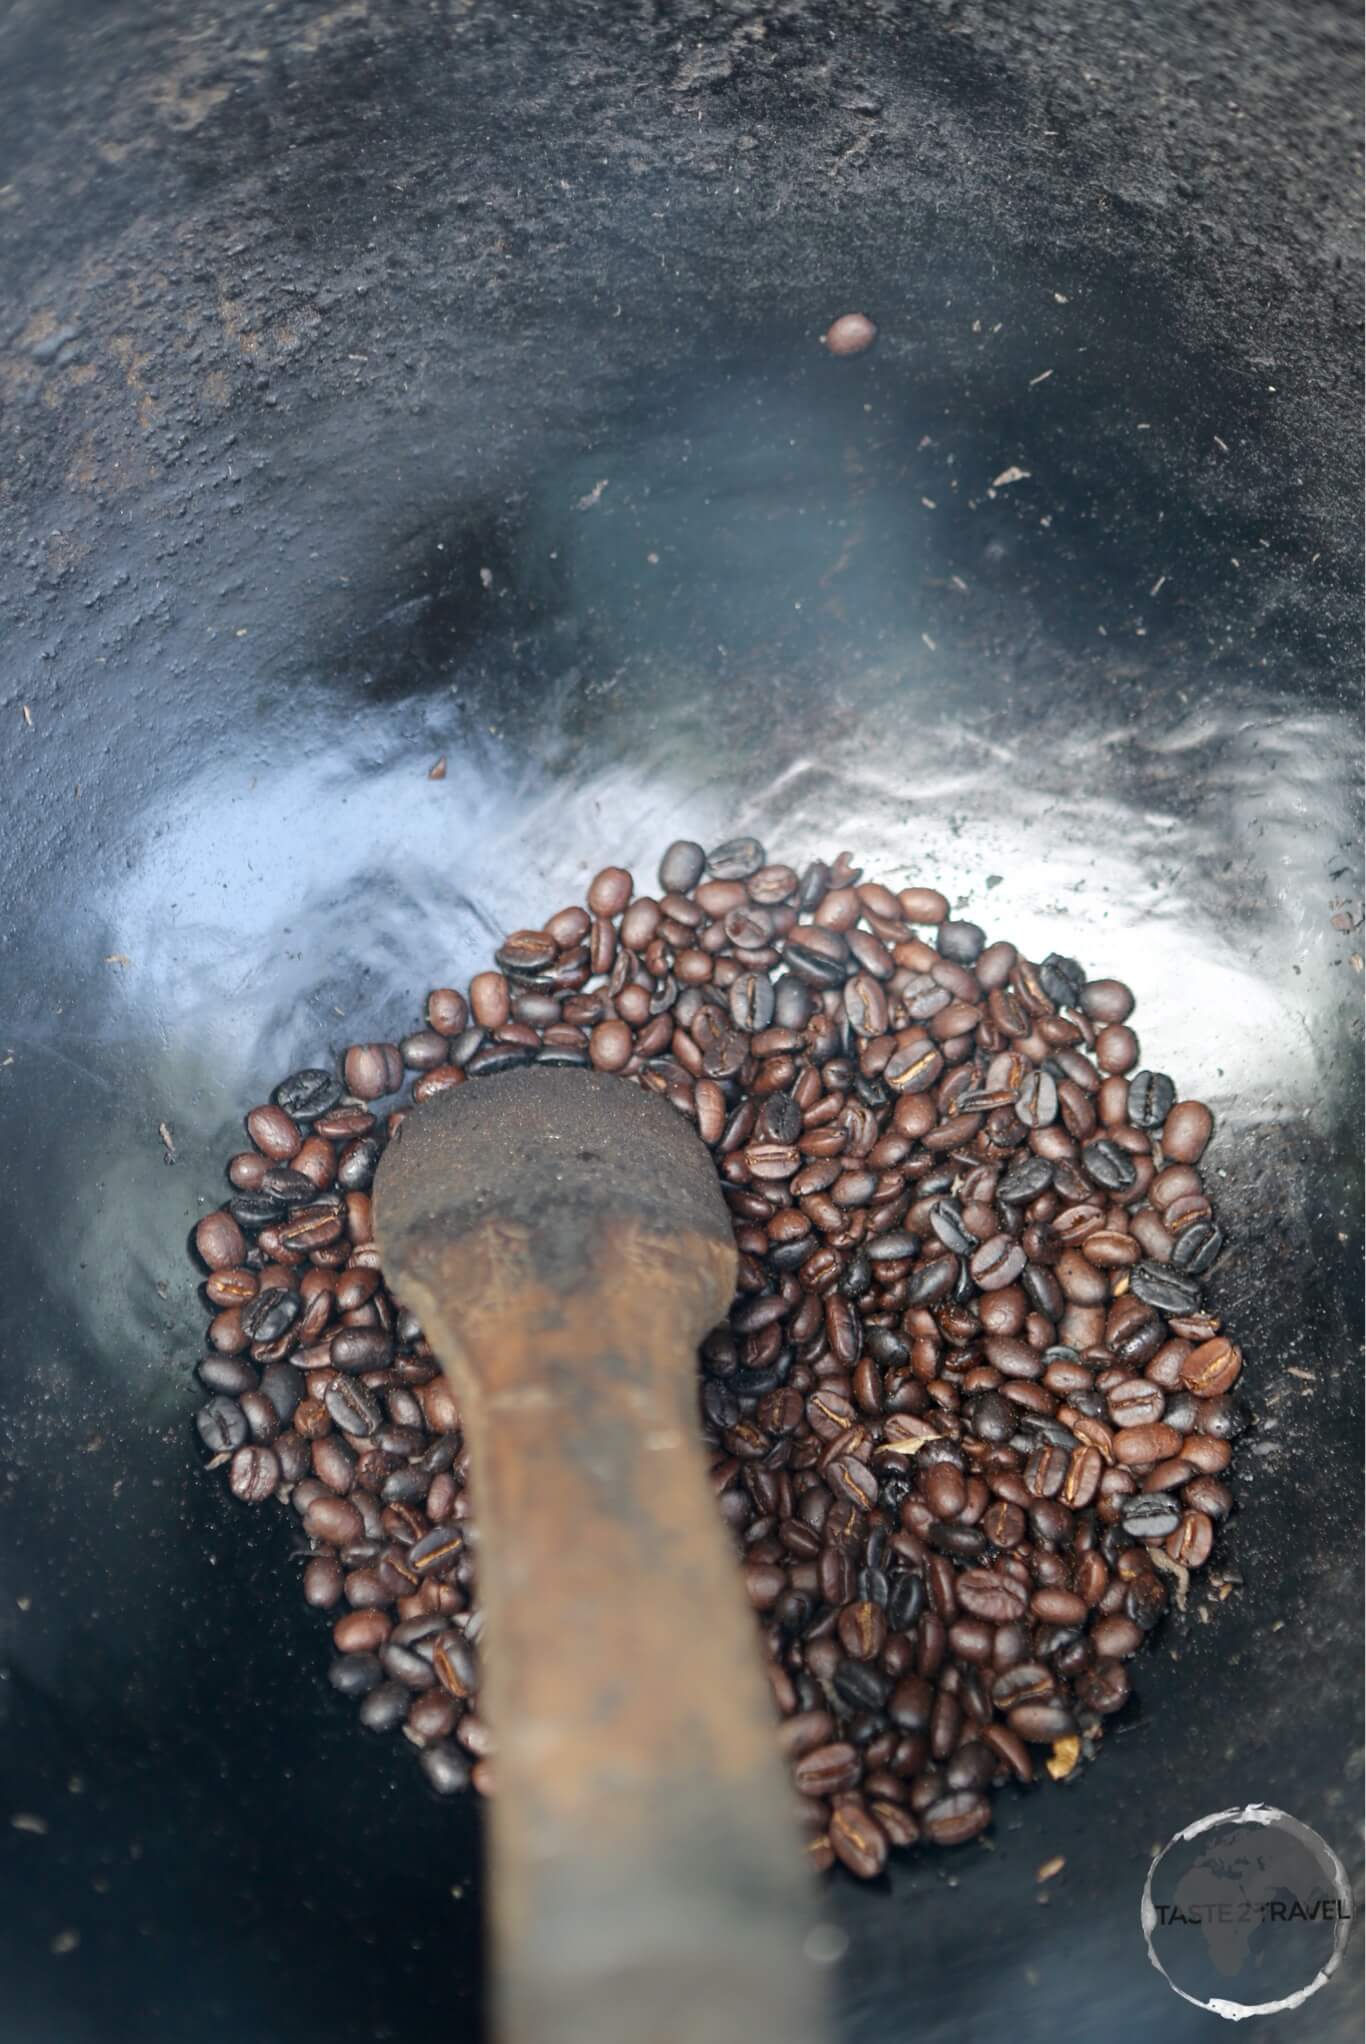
(563, 1239)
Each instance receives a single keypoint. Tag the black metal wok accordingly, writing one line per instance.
(391, 382)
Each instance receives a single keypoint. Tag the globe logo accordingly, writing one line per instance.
(1246, 1912)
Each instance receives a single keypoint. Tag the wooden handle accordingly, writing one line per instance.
(648, 1885)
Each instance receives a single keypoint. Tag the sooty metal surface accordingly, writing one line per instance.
(378, 389)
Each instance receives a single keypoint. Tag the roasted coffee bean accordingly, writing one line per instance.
(446, 1768)
(254, 1211)
(964, 1543)
(356, 1675)
(1040, 1724)
(323, 1583)
(857, 1839)
(361, 1632)
(1135, 1402)
(231, 1287)
(1210, 1371)
(1185, 1131)
(357, 1164)
(1151, 1099)
(291, 1188)
(401, 1664)
(862, 1629)
(738, 859)
(963, 943)
(385, 1707)
(275, 1133)
(254, 1474)
(334, 1519)
(523, 956)
(854, 1482)
(955, 1818)
(1025, 1181)
(682, 866)
(992, 1595)
(1167, 1290)
(263, 1424)
(436, 1551)
(222, 1425)
(351, 1408)
(1190, 1542)
(456, 1666)
(830, 1770)
(1107, 1165)
(946, 1222)
(355, 1350)
(231, 1375)
(1151, 1515)
(271, 1314)
(424, 1049)
(905, 1601)
(816, 955)
(752, 1002)
(1063, 980)
(859, 1686)
(1206, 1494)
(306, 1095)
(1036, 1102)
(431, 1718)
(1198, 1248)
(990, 1417)
(997, 1263)
(1145, 1601)
(1136, 1447)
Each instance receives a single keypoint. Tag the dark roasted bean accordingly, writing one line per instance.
(828, 1770)
(222, 1425)
(859, 1686)
(358, 1349)
(446, 1768)
(271, 1314)
(385, 1707)
(738, 859)
(1040, 1724)
(402, 1664)
(255, 1210)
(356, 1675)
(682, 866)
(1170, 1291)
(961, 942)
(351, 1408)
(1025, 1181)
(955, 1818)
(254, 1474)
(857, 1839)
(1198, 1248)
(991, 1594)
(1151, 1099)
(291, 1188)
(1151, 1515)
(752, 1002)
(1107, 1165)
(1036, 1102)
(231, 1375)
(306, 1095)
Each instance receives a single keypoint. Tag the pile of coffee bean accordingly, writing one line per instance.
(969, 1418)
